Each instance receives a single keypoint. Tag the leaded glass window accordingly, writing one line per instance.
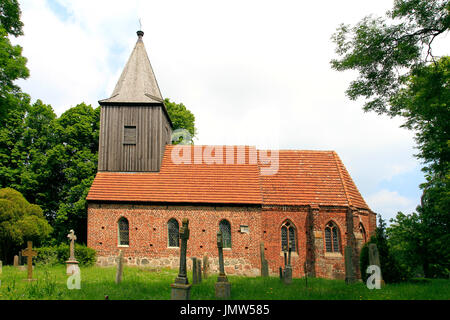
(288, 236)
(332, 238)
(124, 233)
(363, 232)
(173, 233)
(225, 228)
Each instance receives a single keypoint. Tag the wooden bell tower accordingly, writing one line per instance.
(134, 124)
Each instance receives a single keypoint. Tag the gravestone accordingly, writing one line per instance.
(29, 253)
(181, 288)
(349, 271)
(119, 271)
(223, 287)
(199, 270)
(1, 266)
(264, 263)
(72, 264)
(20, 259)
(288, 269)
(374, 259)
(16, 261)
(205, 267)
(194, 271)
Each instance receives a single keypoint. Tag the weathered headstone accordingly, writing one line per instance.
(194, 271)
(72, 264)
(20, 259)
(223, 287)
(29, 253)
(1, 266)
(264, 264)
(16, 261)
(119, 270)
(199, 270)
(288, 269)
(181, 288)
(205, 267)
(349, 271)
(374, 259)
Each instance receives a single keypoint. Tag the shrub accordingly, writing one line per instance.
(46, 255)
(60, 254)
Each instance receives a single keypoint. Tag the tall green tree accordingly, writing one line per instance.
(75, 158)
(12, 63)
(400, 76)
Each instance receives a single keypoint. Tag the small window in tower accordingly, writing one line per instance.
(129, 135)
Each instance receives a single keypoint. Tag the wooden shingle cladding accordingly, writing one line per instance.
(152, 130)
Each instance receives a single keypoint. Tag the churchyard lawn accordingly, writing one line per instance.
(146, 284)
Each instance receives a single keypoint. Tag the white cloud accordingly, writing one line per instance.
(389, 203)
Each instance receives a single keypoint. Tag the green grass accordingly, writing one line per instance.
(146, 284)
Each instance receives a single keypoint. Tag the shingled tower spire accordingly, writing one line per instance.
(134, 123)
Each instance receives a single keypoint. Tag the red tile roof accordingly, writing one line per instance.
(299, 178)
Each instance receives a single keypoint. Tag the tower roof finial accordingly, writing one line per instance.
(140, 34)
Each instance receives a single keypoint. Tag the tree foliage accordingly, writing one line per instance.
(385, 50)
(400, 76)
(20, 221)
(10, 17)
(181, 118)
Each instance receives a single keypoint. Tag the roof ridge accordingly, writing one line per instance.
(337, 161)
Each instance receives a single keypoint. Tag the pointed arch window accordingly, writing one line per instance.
(124, 232)
(288, 236)
(332, 237)
(173, 231)
(225, 228)
(363, 232)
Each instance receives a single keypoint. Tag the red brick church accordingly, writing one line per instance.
(145, 186)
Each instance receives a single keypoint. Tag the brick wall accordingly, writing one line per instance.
(148, 236)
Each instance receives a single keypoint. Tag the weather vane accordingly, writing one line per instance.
(140, 24)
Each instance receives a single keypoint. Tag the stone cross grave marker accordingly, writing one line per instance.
(181, 288)
(288, 268)
(72, 263)
(16, 261)
(374, 258)
(205, 266)
(223, 287)
(194, 271)
(349, 272)
(199, 270)
(119, 270)
(29, 253)
(264, 264)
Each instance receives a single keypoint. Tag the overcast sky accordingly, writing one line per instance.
(252, 72)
